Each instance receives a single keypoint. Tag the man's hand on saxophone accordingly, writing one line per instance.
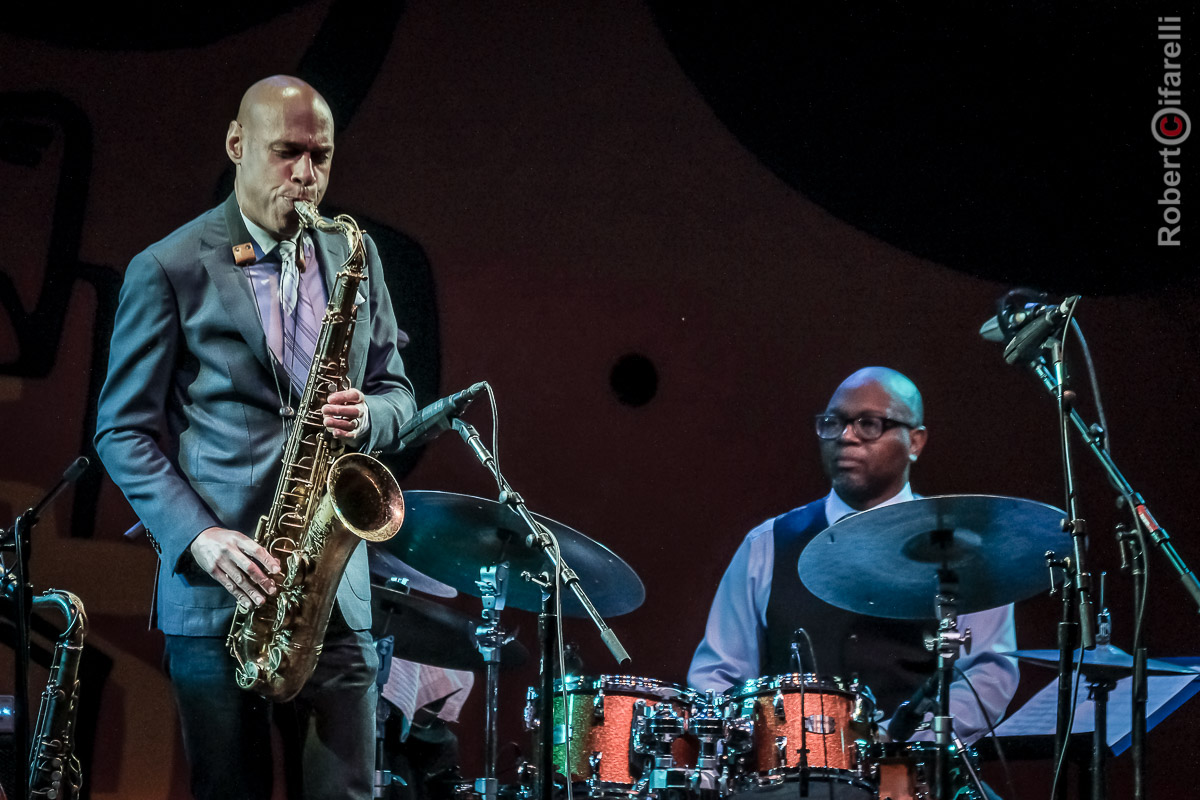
(230, 558)
(346, 414)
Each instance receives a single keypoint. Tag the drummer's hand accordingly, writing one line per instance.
(345, 414)
(230, 558)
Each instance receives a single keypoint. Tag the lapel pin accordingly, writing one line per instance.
(243, 254)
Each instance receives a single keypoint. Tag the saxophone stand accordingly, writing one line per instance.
(19, 534)
(562, 576)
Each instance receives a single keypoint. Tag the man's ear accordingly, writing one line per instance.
(233, 142)
(916, 442)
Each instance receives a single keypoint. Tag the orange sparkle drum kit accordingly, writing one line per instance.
(617, 737)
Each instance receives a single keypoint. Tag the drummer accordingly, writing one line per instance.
(870, 435)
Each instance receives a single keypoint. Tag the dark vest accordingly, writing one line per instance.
(887, 655)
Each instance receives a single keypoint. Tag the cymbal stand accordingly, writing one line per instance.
(1068, 631)
(1133, 559)
(1099, 687)
(946, 644)
(548, 638)
(490, 637)
(384, 777)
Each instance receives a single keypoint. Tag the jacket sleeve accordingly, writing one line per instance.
(131, 423)
(730, 652)
(389, 393)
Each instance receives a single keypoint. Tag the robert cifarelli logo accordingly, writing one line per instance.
(1170, 127)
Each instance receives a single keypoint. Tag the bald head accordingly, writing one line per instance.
(866, 472)
(282, 146)
(908, 405)
(270, 95)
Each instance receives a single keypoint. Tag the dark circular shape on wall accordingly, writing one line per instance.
(1013, 143)
(634, 380)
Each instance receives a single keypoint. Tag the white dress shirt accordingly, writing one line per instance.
(731, 650)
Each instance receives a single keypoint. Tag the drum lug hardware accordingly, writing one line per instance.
(780, 714)
(781, 751)
(531, 718)
(594, 763)
(598, 706)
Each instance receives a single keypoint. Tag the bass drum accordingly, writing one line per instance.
(774, 718)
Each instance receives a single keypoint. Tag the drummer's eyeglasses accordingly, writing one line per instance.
(867, 427)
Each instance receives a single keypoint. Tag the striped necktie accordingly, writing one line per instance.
(301, 319)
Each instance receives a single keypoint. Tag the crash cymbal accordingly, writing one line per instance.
(884, 562)
(384, 566)
(1106, 661)
(450, 536)
(430, 633)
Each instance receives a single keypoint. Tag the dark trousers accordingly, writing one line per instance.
(328, 731)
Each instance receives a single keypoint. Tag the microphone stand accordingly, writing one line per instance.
(21, 543)
(543, 539)
(1094, 438)
(1068, 630)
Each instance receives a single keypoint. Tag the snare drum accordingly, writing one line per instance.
(779, 715)
(606, 713)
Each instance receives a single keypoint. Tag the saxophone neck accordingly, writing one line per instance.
(344, 224)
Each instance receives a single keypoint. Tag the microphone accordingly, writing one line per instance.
(912, 712)
(435, 419)
(996, 330)
(1026, 327)
(1039, 326)
(797, 660)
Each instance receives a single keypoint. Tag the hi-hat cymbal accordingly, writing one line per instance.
(384, 566)
(884, 562)
(430, 633)
(450, 536)
(1106, 661)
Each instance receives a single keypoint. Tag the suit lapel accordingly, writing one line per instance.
(216, 254)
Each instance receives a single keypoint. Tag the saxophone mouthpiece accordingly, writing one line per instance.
(309, 216)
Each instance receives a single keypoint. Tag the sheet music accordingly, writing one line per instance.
(1165, 693)
(411, 686)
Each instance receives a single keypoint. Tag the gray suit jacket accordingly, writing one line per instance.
(188, 423)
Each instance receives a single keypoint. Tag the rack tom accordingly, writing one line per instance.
(610, 718)
(777, 723)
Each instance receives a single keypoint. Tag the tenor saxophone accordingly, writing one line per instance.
(325, 503)
(54, 770)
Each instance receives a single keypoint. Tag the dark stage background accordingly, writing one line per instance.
(664, 233)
